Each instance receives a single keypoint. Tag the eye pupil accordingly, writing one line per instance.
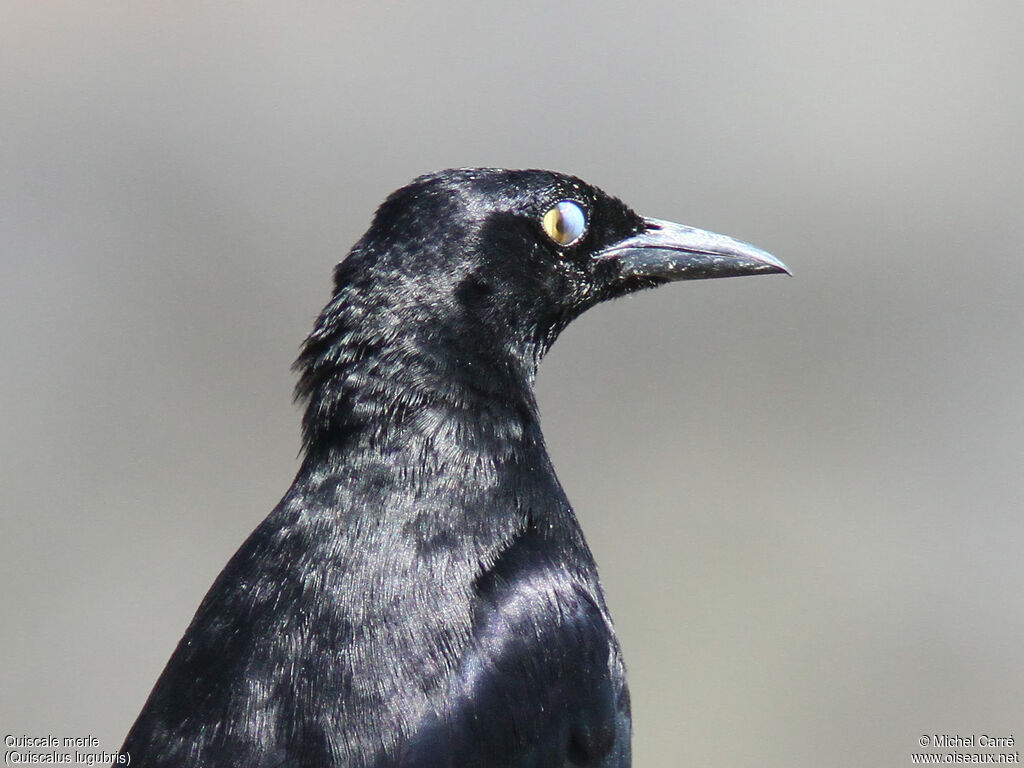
(565, 222)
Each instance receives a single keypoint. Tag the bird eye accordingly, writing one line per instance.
(565, 222)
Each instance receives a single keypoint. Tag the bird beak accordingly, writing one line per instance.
(675, 252)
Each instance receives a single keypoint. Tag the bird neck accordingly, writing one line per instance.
(434, 431)
(395, 394)
(432, 447)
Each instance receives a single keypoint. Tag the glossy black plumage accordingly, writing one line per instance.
(423, 595)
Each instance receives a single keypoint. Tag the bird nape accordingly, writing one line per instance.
(423, 594)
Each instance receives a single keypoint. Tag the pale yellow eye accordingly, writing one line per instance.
(565, 222)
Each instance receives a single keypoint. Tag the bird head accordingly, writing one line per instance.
(516, 255)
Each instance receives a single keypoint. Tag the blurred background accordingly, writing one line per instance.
(805, 494)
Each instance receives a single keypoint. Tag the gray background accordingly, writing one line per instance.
(805, 494)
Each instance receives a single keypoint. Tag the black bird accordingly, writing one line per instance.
(423, 594)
